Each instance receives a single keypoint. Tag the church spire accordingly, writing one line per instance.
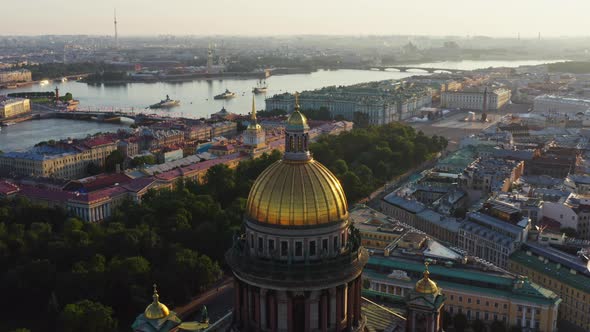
(253, 115)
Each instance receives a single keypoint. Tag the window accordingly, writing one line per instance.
(468, 300)
(460, 298)
(477, 301)
(486, 316)
(505, 306)
(519, 308)
(252, 241)
(284, 248)
(335, 243)
(260, 244)
(298, 248)
(325, 244)
(312, 248)
(271, 245)
(342, 239)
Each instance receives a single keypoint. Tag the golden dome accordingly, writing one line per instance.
(297, 121)
(297, 193)
(156, 310)
(426, 285)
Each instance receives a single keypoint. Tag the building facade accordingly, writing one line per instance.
(495, 99)
(564, 274)
(13, 107)
(15, 76)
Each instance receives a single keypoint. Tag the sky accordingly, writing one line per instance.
(496, 18)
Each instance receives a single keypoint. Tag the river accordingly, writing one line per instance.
(196, 97)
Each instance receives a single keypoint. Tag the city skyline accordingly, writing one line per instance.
(329, 17)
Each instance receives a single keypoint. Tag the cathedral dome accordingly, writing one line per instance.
(297, 193)
(297, 121)
(426, 285)
(156, 310)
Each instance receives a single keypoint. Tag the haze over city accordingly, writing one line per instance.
(500, 18)
(295, 166)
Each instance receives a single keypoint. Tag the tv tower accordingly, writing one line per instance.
(116, 33)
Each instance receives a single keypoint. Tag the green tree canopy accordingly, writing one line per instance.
(87, 316)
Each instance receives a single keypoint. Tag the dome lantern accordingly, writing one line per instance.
(297, 135)
(426, 285)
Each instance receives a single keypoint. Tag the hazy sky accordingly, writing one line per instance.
(280, 17)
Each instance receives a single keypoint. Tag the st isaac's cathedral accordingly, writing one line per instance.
(298, 264)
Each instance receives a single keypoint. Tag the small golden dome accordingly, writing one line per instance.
(426, 285)
(297, 121)
(297, 193)
(156, 310)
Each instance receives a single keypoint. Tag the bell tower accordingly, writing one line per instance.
(425, 303)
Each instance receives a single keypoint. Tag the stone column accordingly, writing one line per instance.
(324, 315)
(523, 316)
(307, 315)
(237, 309)
(332, 313)
(256, 310)
(263, 304)
(349, 302)
(290, 313)
(282, 311)
(357, 302)
(245, 304)
(339, 309)
(314, 309)
(273, 312)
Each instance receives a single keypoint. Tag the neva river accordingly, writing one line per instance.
(196, 97)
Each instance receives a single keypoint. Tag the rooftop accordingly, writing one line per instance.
(553, 268)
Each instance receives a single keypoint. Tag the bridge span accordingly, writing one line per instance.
(404, 69)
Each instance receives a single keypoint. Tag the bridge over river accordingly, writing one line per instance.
(110, 115)
(404, 69)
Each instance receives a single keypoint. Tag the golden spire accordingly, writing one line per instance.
(253, 115)
(426, 272)
(156, 297)
(296, 101)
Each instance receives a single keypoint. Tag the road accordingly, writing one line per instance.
(218, 299)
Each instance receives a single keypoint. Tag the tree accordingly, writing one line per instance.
(446, 320)
(515, 328)
(497, 326)
(114, 159)
(360, 119)
(93, 169)
(478, 326)
(459, 322)
(87, 316)
(220, 182)
(569, 232)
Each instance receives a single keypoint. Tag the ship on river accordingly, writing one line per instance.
(226, 95)
(166, 103)
(261, 87)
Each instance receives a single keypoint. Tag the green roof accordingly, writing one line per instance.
(562, 274)
(504, 285)
(435, 270)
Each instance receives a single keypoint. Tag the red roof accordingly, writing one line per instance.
(98, 194)
(7, 188)
(139, 184)
(197, 167)
(52, 195)
(98, 182)
(98, 141)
